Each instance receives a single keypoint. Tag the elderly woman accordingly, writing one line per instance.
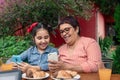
(81, 54)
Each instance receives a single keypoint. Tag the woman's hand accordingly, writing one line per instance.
(55, 66)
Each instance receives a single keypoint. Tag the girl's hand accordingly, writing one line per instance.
(14, 65)
(23, 66)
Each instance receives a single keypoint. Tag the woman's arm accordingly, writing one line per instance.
(93, 57)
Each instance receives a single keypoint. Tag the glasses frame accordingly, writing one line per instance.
(66, 30)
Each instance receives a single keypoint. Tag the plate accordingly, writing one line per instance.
(27, 78)
(77, 77)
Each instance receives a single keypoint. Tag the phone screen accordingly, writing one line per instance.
(53, 56)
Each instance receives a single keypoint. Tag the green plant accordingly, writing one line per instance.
(117, 22)
(106, 6)
(105, 45)
(24, 12)
(13, 45)
(116, 61)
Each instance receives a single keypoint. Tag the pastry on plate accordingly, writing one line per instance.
(38, 74)
(33, 73)
(63, 74)
(73, 73)
(29, 72)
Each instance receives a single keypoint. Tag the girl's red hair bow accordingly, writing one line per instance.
(32, 26)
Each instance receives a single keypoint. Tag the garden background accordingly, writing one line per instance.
(17, 15)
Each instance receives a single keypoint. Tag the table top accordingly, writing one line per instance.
(92, 76)
(85, 76)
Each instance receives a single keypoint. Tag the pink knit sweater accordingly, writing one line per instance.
(87, 54)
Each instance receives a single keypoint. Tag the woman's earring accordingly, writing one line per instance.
(77, 29)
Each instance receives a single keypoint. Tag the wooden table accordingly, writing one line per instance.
(95, 76)
(92, 76)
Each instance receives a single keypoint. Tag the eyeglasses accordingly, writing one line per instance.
(66, 30)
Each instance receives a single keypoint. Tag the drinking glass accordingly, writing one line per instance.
(4, 66)
(105, 70)
(1, 61)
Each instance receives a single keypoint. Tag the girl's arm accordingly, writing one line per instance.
(24, 66)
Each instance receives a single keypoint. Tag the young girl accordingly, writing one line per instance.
(37, 55)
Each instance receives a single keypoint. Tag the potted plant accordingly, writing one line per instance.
(116, 61)
(116, 55)
(105, 45)
(117, 23)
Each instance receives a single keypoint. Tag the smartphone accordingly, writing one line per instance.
(53, 56)
(16, 59)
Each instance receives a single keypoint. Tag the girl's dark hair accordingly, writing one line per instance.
(39, 26)
(70, 20)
